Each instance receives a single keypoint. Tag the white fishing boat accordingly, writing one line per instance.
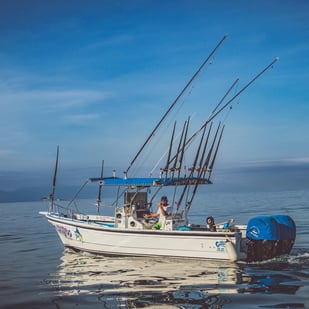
(139, 229)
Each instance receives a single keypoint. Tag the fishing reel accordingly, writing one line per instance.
(210, 221)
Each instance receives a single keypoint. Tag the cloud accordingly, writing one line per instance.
(32, 118)
(24, 111)
(280, 162)
(5, 152)
(53, 99)
(80, 119)
(19, 88)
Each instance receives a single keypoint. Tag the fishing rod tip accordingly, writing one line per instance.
(277, 58)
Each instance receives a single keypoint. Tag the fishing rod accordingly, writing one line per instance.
(213, 111)
(204, 169)
(183, 147)
(226, 94)
(206, 163)
(180, 144)
(174, 168)
(204, 149)
(163, 155)
(216, 113)
(169, 152)
(198, 151)
(175, 102)
(215, 155)
(192, 170)
(243, 89)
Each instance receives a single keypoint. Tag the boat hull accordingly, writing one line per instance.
(101, 239)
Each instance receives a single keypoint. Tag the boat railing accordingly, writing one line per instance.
(67, 212)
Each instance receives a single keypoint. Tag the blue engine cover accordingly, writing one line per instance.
(263, 227)
(277, 227)
(287, 226)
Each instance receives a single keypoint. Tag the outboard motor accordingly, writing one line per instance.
(269, 236)
(287, 229)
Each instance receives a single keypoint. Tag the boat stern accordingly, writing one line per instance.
(269, 237)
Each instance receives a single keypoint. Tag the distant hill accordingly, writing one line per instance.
(33, 186)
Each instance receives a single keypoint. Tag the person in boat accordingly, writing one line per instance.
(164, 210)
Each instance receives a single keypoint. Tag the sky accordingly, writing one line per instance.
(94, 77)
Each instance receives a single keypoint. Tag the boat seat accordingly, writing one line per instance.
(141, 212)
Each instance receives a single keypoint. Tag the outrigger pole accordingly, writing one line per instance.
(52, 195)
(243, 89)
(174, 103)
(217, 111)
(182, 143)
(225, 95)
(169, 152)
(100, 189)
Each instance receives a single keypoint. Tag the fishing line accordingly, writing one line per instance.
(175, 102)
(77, 193)
(157, 138)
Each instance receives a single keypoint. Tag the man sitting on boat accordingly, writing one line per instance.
(164, 209)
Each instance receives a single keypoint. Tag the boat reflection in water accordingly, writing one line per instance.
(114, 282)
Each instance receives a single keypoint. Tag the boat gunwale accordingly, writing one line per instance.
(87, 225)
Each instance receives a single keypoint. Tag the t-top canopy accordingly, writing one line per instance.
(149, 182)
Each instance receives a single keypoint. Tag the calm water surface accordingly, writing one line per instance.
(36, 272)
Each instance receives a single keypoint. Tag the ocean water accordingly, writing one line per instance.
(36, 271)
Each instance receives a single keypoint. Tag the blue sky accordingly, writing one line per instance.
(95, 76)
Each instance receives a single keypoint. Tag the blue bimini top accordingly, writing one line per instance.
(149, 182)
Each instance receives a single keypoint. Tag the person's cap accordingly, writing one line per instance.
(164, 200)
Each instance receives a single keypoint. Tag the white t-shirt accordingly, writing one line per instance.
(167, 209)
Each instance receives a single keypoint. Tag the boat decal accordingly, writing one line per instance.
(78, 235)
(220, 246)
(64, 231)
